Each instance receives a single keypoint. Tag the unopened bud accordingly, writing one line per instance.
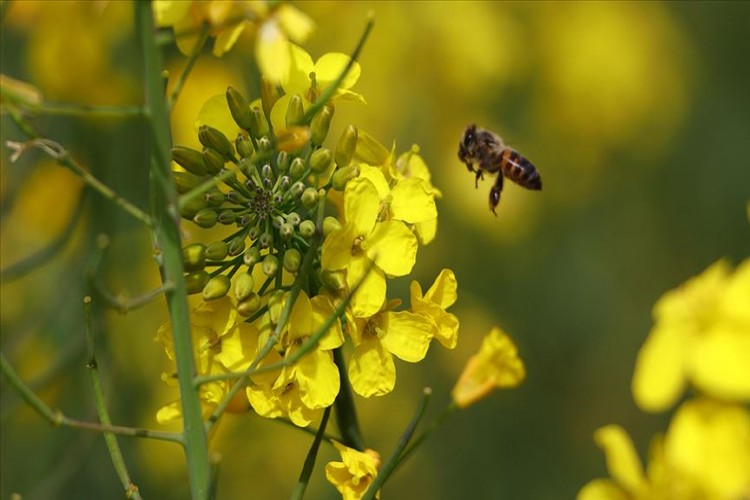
(297, 169)
(310, 197)
(191, 208)
(277, 221)
(215, 139)
(244, 146)
(227, 217)
(265, 240)
(335, 280)
(239, 108)
(264, 145)
(252, 256)
(270, 265)
(307, 229)
(346, 146)
(185, 182)
(286, 231)
(321, 160)
(258, 124)
(189, 159)
(254, 233)
(206, 218)
(196, 281)
(282, 161)
(243, 286)
(236, 246)
(266, 171)
(275, 304)
(330, 224)
(250, 305)
(213, 160)
(319, 125)
(269, 94)
(216, 288)
(284, 183)
(194, 256)
(293, 218)
(295, 113)
(292, 139)
(292, 260)
(214, 198)
(217, 250)
(248, 168)
(344, 175)
(297, 189)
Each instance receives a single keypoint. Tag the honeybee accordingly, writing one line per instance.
(484, 151)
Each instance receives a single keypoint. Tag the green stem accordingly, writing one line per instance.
(434, 425)
(167, 238)
(346, 411)
(131, 490)
(56, 417)
(88, 111)
(202, 37)
(312, 454)
(333, 87)
(390, 465)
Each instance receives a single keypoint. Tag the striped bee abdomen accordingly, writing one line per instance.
(520, 170)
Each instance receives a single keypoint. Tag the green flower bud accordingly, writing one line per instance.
(266, 172)
(236, 246)
(244, 146)
(265, 240)
(321, 160)
(295, 113)
(330, 224)
(282, 161)
(196, 281)
(227, 217)
(264, 145)
(275, 304)
(248, 168)
(185, 182)
(346, 146)
(216, 288)
(213, 159)
(214, 198)
(292, 260)
(293, 218)
(250, 305)
(258, 124)
(215, 139)
(335, 280)
(254, 232)
(297, 189)
(269, 94)
(194, 256)
(206, 218)
(243, 286)
(270, 265)
(217, 250)
(239, 108)
(252, 256)
(344, 175)
(307, 229)
(297, 169)
(310, 197)
(191, 208)
(189, 159)
(286, 231)
(319, 125)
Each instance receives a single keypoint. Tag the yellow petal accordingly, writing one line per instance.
(407, 335)
(659, 376)
(322, 309)
(393, 247)
(329, 67)
(272, 52)
(622, 459)
(375, 175)
(361, 205)
(216, 114)
(239, 347)
(169, 12)
(300, 320)
(169, 413)
(226, 39)
(369, 150)
(602, 489)
(371, 294)
(371, 369)
(296, 24)
(412, 201)
(426, 231)
(719, 362)
(443, 291)
(337, 248)
(349, 96)
(318, 379)
(297, 78)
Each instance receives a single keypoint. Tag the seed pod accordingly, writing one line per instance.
(346, 146)
(330, 224)
(217, 250)
(292, 260)
(321, 160)
(243, 286)
(344, 175)
(319, 125)
(195, 281)
(194, 256)
(270, 265)
(215, 139)
(239, 108)
(213, 159)
(307, 229)
(295, 113)
(189, 159)
(216, 288)
(206, 218)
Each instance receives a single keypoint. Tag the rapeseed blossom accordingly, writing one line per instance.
(354, 474)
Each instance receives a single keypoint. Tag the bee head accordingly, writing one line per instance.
(469, 140)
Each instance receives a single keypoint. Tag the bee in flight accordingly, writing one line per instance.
(484, 151)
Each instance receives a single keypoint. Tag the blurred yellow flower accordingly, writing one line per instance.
(309, 79)
(432, 305)
(496, 365)
(701, 336)
(705, 455)
(362, 240)
(354, 474)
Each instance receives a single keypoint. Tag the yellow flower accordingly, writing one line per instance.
(327, 69)
(354, 474)
(701, 335)
(377, 339)
(362, 240)
(301, 390)
(496, 365)
(433, 305)
(705, 455)
(409, 200)
(222, 343)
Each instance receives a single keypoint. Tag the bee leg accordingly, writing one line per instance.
(479, 175)
(497, 188)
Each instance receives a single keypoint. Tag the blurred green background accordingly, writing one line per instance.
(636, 115)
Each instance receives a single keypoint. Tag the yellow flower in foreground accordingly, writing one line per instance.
(701, 335)
(354, 474)
(327, 69)
(705, 455)
(441, 295)
(496, 365)
(362, 240)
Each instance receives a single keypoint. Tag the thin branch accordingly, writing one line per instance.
(202, 37)
(88, 111)
(312, 454)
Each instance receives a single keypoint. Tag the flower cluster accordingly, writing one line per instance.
(701, 336)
